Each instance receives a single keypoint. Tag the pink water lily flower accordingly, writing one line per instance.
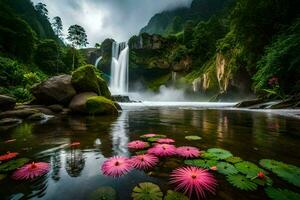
(193, 180)
(116, 166)
(8, 156)
(162, 150)
(165, 140)
(188, 152)
(137, 144)
(31, 171)
(144, 161)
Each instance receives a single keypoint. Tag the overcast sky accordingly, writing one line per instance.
(117, 19)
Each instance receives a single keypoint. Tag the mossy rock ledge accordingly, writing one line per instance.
(99, 105)
(85, 79)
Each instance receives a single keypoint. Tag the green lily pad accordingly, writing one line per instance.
(287, 172)
(141, 152)
(226, 168)
(147, 191)
(249, 169)
(107, 193)
(156, 136)
(267, 181)
(209, 156)
(201, 163)
(152, 139)
(241, 182)
(192, 137)
(172, 195)
(13, 164)
(220, 153)
(281, 194)
(234, 159)
(2, 176)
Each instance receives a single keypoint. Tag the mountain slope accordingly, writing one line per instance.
(168, 22)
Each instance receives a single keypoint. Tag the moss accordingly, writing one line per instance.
(155, 84)
(103, 88)
(84, 79)
(100, 106)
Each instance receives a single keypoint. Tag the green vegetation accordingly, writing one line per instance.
(225, 48)
(30, 50)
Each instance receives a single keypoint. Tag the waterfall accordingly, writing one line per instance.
(119, 68)
(97, 61)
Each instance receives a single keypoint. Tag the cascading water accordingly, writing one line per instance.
(97, 61)
(119, 69)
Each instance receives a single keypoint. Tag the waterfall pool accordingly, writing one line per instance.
(75, 172)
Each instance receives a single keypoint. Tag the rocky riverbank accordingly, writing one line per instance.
(83, 93)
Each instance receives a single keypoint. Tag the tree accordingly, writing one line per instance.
(97, 45)
(42, 9)
(57, 26)
(77, 37)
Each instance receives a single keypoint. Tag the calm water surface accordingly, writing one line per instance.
(75, 173)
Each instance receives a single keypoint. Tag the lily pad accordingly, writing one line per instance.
(220, 153)
(13, 164)
(152, 139)
(287, 172)
(156, 136)
(241, 182)
(193, 137)
(249, 169)
(147, 191)
(172, 195)
(107, 193)
(209, 156)
(2, 176)
(234, 159)
(266, 181)
(281, 194)
(201, 163)
(141, 152)
(226, 168)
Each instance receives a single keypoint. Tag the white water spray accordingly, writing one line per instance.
(97, 61)
(119, 69)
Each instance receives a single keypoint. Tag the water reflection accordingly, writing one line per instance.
(119, 135)
(75, 162)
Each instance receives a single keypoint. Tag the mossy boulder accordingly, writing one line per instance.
(103, 88)
(78, 103)
(85, 79)
(100, 105)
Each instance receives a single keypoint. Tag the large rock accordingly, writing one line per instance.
(85, 79)
(78, 103)
(7, 103)
(22, 113)
(100, 106)
(56, 90)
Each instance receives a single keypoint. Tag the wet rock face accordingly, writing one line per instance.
(78, 103)
(56, 90)
(7, 103)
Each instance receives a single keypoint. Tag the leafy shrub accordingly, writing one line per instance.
(281, 60)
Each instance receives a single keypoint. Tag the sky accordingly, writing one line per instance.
(117, 19)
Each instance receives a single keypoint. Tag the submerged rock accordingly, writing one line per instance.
(56, 90)
(100, 106)
(7, 103)
(78, 103)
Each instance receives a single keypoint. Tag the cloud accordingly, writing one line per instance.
(117, 19)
